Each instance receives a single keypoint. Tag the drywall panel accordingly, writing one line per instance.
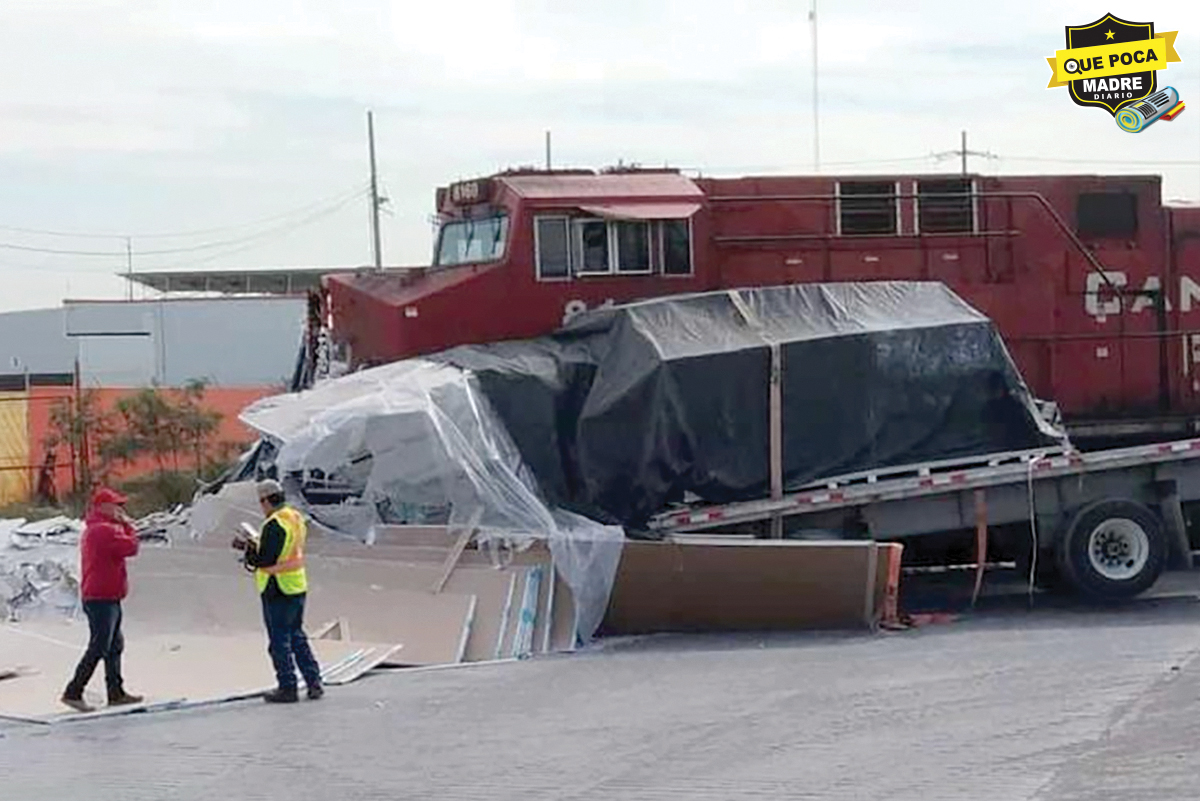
(206, 590)
(171, 667)
(431, 628)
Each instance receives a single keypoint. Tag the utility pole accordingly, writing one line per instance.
(129, 264)
(963, 152)
(812, 16)
(378, 252)
(547, 151)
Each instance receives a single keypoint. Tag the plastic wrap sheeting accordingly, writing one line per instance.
(417, 433)
(39, 568)
(657, 399)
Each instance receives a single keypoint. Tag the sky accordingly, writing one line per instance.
(231, 134)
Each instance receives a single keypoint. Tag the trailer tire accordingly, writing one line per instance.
(1112, 550)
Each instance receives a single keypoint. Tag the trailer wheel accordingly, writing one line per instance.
(1112, 550)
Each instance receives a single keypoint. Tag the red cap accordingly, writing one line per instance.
(107, 495)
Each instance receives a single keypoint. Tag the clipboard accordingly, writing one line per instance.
(251, 533)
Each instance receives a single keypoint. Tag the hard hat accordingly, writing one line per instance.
(268, 487)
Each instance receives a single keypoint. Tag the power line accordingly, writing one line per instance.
(180, 234)
(763, 167)
(188, 249)
(1193, 163)
(907, 159)
(245, 247)
(932, 157)
(57, 252)
(227, 252)
(261, 234)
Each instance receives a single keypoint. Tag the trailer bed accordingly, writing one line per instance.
(931, 480)
(1117, 514)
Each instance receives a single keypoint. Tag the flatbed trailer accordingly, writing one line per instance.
(1102, 523)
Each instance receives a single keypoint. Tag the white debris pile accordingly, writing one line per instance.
(164, 526)
(54, 531)
(39, 561)
(39, 567)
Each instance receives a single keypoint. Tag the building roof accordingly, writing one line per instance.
(235, 282)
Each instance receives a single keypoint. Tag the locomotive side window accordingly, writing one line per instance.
(867, 207)
(946, 206)
(631, 242)
(591, 247)
(1107, 215)
(566, 246)
(676, 247)
(553, 243)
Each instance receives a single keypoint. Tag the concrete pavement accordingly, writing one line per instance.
(1057, 703)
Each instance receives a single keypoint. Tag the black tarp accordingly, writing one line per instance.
(626, 409)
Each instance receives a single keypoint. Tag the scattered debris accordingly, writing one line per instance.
(421, 440)
(16, 673)
(55, 530)
(164, 526)
(39, 567)
(39, 560)
(416, 601)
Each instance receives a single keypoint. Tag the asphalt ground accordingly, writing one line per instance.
(1058, 701)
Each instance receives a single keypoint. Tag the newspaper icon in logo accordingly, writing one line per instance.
(1162, 105)
(1113, 64)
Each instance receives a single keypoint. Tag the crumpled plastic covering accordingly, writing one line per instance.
(418, 435)
(39, 561)
(632, 409)
(39, 567)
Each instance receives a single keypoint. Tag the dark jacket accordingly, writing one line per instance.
(105, 546)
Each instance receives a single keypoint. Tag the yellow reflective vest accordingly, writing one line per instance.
(289, 569)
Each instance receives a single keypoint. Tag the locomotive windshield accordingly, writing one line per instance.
(470, 241)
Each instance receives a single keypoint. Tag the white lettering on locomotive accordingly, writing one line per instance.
(1103, 298)
(574, 308)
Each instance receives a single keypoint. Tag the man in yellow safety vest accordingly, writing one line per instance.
(278, 562)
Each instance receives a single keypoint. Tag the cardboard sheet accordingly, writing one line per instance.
(716, 584)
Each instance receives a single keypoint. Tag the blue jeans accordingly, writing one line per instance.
(104, 642)
(287, 643)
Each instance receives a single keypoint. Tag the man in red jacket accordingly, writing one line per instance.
(108, 540)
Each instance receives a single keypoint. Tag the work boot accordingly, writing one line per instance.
(316, 692)
(124, 699)
(78, 704)
(282, 696)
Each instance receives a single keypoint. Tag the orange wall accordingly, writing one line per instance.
(229, 401)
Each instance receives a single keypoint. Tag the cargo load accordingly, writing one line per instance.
(630, 409)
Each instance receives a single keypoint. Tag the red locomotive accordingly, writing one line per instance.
(1093, 281)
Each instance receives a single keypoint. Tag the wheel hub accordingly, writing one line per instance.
(1118, 549)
